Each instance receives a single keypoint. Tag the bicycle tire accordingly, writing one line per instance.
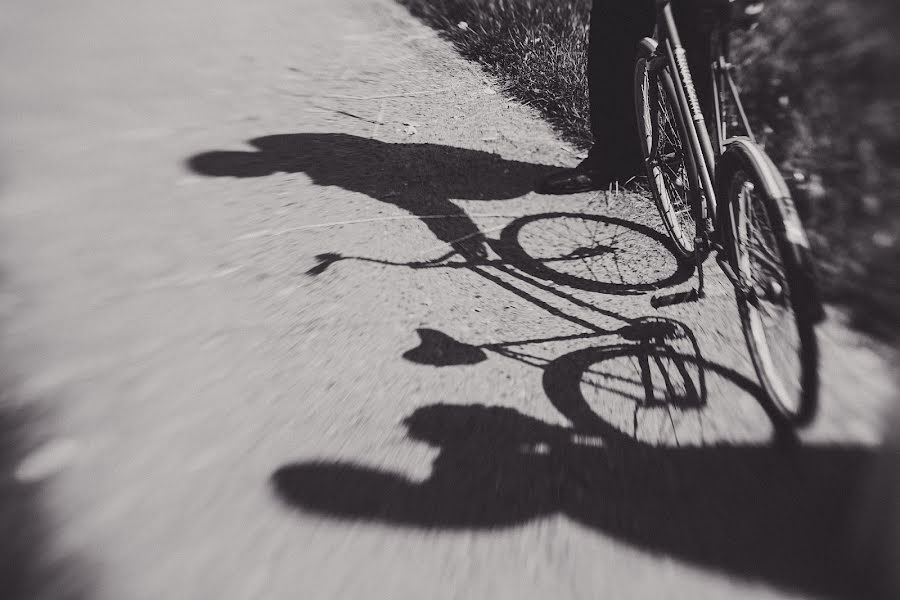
(681, 230)
(770, 254)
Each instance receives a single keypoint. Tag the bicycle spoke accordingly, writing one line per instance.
(666, 159)
(772, 263)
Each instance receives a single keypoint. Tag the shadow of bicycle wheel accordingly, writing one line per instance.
(590, 252)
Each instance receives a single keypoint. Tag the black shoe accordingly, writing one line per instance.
(586, 177)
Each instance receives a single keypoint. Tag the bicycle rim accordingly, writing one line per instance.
(666, 161)
(781, 339)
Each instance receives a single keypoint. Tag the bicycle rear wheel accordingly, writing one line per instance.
(670, 168)
(779, 306)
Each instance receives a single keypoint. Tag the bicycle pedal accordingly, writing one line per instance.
(660, 301)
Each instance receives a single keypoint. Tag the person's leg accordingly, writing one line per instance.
(616, 28)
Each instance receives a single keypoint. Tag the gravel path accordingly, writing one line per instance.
(283, 319)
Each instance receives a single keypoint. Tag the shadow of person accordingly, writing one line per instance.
(422, 179)
(763, 512)
(465, 490)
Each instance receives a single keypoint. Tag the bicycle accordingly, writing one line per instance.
(721, 193)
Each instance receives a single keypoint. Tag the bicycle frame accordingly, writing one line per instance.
(723, 78)
(705, 151)
(745, 177)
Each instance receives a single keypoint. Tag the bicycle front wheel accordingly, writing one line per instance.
(779, 303)
(663, 137)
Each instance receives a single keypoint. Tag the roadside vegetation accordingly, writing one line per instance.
(820, 79)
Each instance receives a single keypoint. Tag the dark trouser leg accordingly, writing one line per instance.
(694, 24)
(616, 28)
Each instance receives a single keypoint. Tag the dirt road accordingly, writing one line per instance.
(283, 319)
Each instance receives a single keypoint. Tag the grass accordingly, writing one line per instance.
(535, 48)
(819, 78)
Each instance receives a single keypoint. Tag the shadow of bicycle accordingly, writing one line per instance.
(592, 252)
(766, 512)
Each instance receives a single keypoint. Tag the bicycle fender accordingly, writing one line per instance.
(773, 186)
(789, 229)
